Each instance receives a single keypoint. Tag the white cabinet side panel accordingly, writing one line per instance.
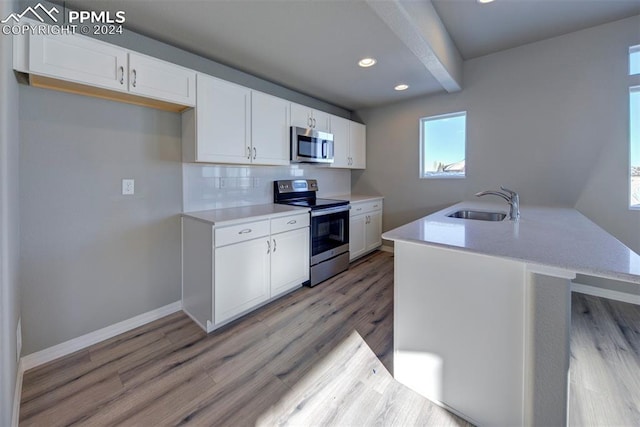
(460, 331)
(197, 280)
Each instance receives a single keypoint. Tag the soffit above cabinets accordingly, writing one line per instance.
(313, 46)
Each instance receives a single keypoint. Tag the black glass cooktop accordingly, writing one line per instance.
(317, 203)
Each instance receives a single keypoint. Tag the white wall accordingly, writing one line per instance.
(9, 223)
(548, 119)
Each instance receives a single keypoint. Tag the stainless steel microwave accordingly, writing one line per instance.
(311, 146)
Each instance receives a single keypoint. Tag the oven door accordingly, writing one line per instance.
(329, 233)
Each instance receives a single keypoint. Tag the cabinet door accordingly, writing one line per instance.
(356, 236)
(162, 80)
(340, 131)
(289, 260)
(269, 129)
(358, 145)
(223, 118)
(301, 116)
(241, 277)
(78, 59)
(321, 121)
(373, 231)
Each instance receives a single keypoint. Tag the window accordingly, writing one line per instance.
(634, 131)
(443, 146)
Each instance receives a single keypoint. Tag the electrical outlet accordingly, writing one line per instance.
(19, 339)
(128, 187)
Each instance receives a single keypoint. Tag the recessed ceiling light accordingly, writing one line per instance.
(402, 87)
(484, 1)
(366, 62)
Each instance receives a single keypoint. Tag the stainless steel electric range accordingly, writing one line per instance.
(329, 226)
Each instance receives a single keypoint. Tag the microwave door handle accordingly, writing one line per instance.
(324, 149)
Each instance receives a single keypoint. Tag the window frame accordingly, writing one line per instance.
(422, 172)
(633, 87)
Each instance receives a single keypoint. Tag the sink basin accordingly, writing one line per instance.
(478, 215)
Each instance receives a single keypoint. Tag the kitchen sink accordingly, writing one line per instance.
(478, 215)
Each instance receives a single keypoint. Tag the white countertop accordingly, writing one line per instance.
(354, 198)
(229, 216)
(552, 237)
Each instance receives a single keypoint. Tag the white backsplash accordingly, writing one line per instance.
(226, 186)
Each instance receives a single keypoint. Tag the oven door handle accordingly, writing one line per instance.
(329, 211)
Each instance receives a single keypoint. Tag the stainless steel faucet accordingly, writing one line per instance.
(510, 196)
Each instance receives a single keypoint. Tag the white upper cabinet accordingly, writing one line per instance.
(269, 130)
(54, 60)
(305, 117)
(79, 59)
(340, 131)
(358, 145)
(218, 129)
(349, 144)
(161, 80)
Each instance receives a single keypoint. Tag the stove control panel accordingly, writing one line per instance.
(296, 185)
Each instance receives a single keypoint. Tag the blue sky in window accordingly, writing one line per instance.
(634, 60)
(444, 141)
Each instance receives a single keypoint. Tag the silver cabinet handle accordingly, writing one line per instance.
(121, 75)
(375, 206)
(135, 77)
(248, 152)
(358, 210)
(245, 231)
(274, 246)
(309, 122)
(293, 221)
(314, 122)
(255, 153)
(268, 246)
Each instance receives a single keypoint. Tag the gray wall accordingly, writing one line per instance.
(548, 119)
(92, 257)
(9, 223)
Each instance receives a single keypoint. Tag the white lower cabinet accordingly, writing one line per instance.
(228, 271)
(289, 260)
(241, 277)
(365, 227)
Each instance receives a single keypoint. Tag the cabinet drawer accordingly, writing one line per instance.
(364, 207)
(239, 233)
(286, 223)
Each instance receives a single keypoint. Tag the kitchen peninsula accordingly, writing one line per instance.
(482, 308)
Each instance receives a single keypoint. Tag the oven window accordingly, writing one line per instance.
(329, 232)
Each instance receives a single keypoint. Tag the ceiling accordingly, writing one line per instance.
(312, 46)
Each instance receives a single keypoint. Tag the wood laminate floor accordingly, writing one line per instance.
(319, 356)
(605, 362)
(314, 357)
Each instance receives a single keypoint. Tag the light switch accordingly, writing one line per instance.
(128, 187)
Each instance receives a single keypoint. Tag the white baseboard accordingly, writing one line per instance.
(48, 354)
(17, 395)
(386, 248)
(605, 293)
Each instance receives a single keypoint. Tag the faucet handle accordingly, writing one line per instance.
(511, 192)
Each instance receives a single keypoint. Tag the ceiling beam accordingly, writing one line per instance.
(419, 27)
